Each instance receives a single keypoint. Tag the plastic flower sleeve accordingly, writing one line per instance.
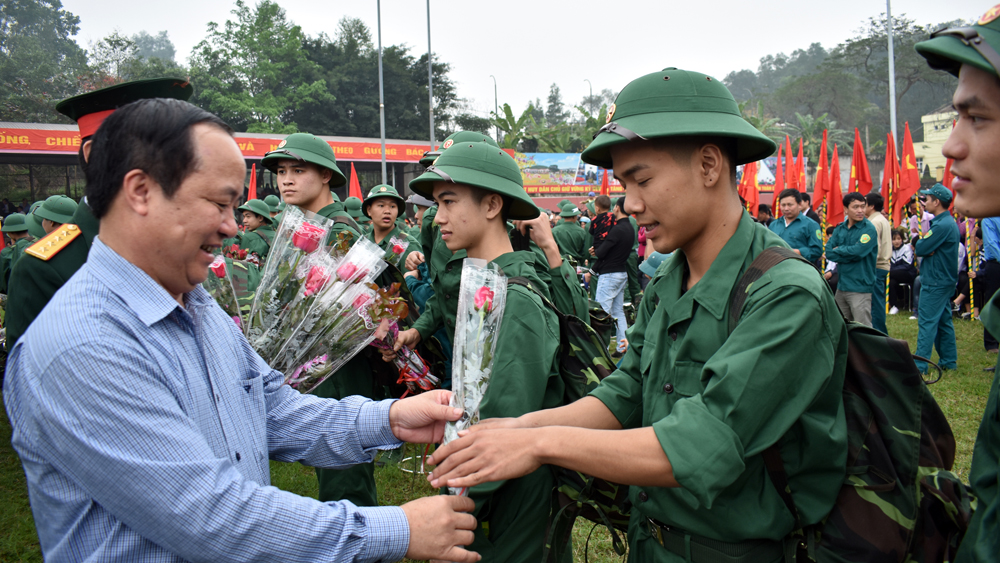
(481, 301)
(219, 285)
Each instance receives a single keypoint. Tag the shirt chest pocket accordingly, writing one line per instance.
(668, 384)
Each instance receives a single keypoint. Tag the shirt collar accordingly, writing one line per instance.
(149, 300)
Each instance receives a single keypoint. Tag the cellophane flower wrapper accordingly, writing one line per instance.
(413, 370)
(219, 285)
(481, 301)
(397, 247)
(350, 323)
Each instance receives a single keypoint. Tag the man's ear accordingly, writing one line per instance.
(494, 205)
(711, 164)
(137, 191)
(326, 174)
(87, 145)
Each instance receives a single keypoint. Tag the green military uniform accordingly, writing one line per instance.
(14, 223)
(949, 50)
(398, 233)
(512, 514)
(632, 287)
(938, 277)
(260, 239)
(33, 281)
(854, 249)
(716, 400)
(573, 240)
(355, 484)
(34, 223)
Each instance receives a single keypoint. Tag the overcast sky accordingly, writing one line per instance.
(529, 45)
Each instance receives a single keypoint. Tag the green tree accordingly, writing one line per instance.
(513, 128)
(555, 112)
(40, 63)
(840, 94)
(754, 114)
(157, 46)
(252, 72)
(810, 130)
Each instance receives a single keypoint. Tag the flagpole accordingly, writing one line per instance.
(430, 74)
(969, 234)
(381, 96)
(892, 70)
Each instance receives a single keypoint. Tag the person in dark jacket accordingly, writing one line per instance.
(611, 267)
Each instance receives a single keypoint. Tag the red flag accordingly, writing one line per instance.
(861, 177)
(354, 189)
(779, 179)
(253, 182)
(909, 176)
(890, 182)
(790, 176)
(948, 178)
(800, 169)
(605, 183)
(748, 189)
(835, 201)
(821, 187)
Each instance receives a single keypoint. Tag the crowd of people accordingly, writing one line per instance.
(144, 420)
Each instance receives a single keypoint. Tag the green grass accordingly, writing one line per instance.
(961, 393)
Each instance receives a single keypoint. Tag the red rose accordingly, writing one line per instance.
(218, 266)
(484, 298)
(398, 249)
(315, 280)
(307, 237)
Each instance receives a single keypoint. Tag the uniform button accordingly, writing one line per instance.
(447, 296)
(673, 335)
(669, 388)
(237, 456)
(643, 497)
(450, 267)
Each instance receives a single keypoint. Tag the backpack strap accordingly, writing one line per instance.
(526, 283)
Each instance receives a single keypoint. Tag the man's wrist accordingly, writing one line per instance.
(388, 532)
(374, 426)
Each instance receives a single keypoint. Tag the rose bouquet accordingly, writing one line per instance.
(219, 285)
(348, 323)
(413, 370)
(481, 301)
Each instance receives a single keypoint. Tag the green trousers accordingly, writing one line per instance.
(632, 287)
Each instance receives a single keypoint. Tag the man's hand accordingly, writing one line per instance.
(972, 274)
(797, 251)
(540, 231)
(827, 275)
(439, 525)
(412, 274)
(421, 419)
(414, 259)
(409, 338)
(591, 250)
(485, 455)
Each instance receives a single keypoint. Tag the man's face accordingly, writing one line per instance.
(790, 208)
(462, 219)
(869, 209)
(383, 211)
(251, 220)
(932, 204)
(301, 183)
(974, 144)
(418, 212)
(662, 192)
(803, 206)
(192, 224)
(856, 210)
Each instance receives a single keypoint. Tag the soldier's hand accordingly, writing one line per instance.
(972, 274)
(439, 526)
(409, 338)
(412, 274)
(414, 259)
(421, 419)
(485, 456)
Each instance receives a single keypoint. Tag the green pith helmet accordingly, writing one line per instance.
(457, 137)
(948, 49)
(563, 203)
(272, 202)
(591, 208)
(353, 207)
(259, 207)
(91, 109)
(570, 211)
(305, 147)
(58, 209)
(383, 190)
(281, 207)
(483, 166)
(676, 103)
(34, 222)
(15, 223)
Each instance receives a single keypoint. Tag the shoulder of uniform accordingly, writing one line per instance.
(52, 243)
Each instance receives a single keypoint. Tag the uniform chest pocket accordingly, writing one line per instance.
(685, 378)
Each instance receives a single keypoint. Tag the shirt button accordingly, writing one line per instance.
(217, 399)
(643, 497)
(672, 335)
(237, 456)
(668, 388)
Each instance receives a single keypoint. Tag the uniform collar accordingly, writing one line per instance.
(517, 264)
(941, 216)
(149, 300)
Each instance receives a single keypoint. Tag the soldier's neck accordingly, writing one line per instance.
(324, 198)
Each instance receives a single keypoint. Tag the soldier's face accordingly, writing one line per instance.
(974, 144)
(383, 212)
(789, 207)
(462, 219)
(302, 183)
(192, 224)
(251, 220)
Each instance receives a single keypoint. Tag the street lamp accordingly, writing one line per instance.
(381, 96)
(430, 75)
(496, 107)
(590, 99)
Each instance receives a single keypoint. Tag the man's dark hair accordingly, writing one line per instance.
(763, 208)
(479, 193)
(620, 203)
(789, 192)
(874, 200)
(854, 196)
(803, 196)
(682, 148)
(603, 201)
(152, 135)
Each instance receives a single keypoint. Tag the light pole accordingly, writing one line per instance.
(496, 107)
(892, 72)
(381, 96)
(430, 75)
(590, 99)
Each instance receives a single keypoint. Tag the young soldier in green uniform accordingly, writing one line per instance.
(259, 234)
(477, 188)
(854, 247)
(691, 409)
(34, 280)
(974, 144)
(938, 275)
(16, 228)
(306, 170)
(55, 211)
(353, 207)
(34, 222)
(272, 202)
(798, 231)
(383, 206)
(572, 239)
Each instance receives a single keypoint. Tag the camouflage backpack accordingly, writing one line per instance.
(899, 500)
(584, 361)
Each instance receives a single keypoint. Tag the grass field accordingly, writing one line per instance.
(961, 394)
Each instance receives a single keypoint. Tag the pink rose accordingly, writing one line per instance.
(398, 249)
(360, 301)
(307, 237)
(484, 298)
(345, 271)
(315, 280)
(218, 266)
(237, 321)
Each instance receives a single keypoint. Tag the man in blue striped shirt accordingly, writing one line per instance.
(143, 418)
